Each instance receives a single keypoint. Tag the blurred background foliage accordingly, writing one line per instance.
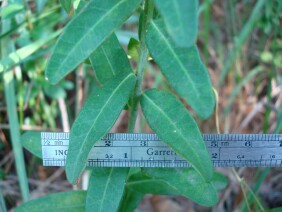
(240, 43)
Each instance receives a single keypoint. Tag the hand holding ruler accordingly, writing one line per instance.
(147, 150)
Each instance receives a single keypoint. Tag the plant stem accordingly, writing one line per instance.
(2, 203)
(142, 60)
(27, 15)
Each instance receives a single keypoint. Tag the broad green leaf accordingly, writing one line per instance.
(32, 142)
(85, 33)
(105, 190)
(71, 201)
(186, 182)
(171, 121)
(110, 60)
(95, 119)
(181, 20)
(21, 54)
(130, 201)
(183, 69)
(66, 5)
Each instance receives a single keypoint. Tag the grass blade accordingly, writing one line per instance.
(238, 87)
(247, 29)
(2, 203)
(7, 46)
(16, 57)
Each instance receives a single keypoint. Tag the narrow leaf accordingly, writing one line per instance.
(110, 60)
(106, 187)
(183, 69)
(11, 10)
(32, 142)
(171, 121)
(186, 182)
(181, 20)
(95, 119)
(85, 33)
(21, 54)
(65, 201)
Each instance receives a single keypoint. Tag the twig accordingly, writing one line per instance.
(46, 183)
(64, 115)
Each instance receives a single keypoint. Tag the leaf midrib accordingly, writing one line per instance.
(182, 136)
(105, 189)
(106, 56)
(178, 16)
(176, 58)
(91, 29)
(97, 117)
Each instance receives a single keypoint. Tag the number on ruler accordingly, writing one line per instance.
(248, 144)
(143, 143)
(108, 143)
(214, 144)
(109, 156)
(214, 155)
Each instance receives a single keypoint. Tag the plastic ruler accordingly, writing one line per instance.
(147, 150)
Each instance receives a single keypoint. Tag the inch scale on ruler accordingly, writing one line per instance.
(146, 150)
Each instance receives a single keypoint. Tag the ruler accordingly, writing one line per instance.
(147, 150)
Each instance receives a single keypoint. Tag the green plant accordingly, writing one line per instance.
(167, 32)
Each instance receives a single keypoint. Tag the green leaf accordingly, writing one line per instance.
(181, 20)
(95, 119)
(130, 201)
(66, 5)
(183, 69)
(85, 33)
(11, 10)
(219, 181)
(167, 181)
(171, 121)
(54, 91)
(32, 142)
(21, 54)
(105, 190)
(133, 49)
(65, 201)
(110, 60)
